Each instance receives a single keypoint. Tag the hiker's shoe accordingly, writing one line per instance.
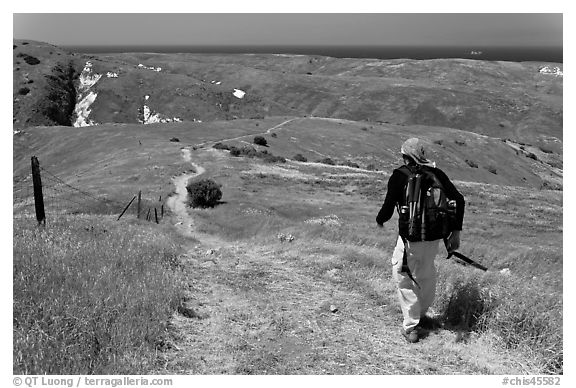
(411, 335)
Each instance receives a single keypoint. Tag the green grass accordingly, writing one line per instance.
(518, 314)
(91, 295)
(522, 315)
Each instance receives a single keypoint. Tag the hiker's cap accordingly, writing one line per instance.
(414, 148)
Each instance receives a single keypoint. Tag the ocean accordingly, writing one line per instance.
(513, 54)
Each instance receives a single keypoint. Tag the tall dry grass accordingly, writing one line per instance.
(521, 314)
(91, 295)
(522, 310)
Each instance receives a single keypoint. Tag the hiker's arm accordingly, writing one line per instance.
(394, 189)
(454, 194)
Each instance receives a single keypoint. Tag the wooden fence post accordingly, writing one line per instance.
(156, 215)
(139, 202)
(148, 215)
(126, 208)
(38, 197)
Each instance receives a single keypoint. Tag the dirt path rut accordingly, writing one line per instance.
(177, 202)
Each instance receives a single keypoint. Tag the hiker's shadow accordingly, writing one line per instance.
(437, 324)
(430, 325)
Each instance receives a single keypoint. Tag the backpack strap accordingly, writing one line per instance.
(405, 268)
(405, 170)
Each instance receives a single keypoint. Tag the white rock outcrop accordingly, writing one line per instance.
(148, 117)
(141, 66)
(82, 110)
(86, 97)
(556, 71)
(88, 78)
(239, 93)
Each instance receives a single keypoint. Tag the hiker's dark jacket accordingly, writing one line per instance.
(395, 192)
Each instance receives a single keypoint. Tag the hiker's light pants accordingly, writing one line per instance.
(414, 300)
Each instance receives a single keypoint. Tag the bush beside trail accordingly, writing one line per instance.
(203, 193)
(260, 140)
(251, 152)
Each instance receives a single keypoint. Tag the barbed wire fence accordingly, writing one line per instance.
(44, 194)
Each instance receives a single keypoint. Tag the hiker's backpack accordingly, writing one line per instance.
(425, 211)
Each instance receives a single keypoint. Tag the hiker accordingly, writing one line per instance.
(413, 259)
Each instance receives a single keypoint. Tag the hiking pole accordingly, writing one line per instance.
(463, 258)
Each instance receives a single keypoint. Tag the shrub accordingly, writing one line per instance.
(203, 193)
(492, 169)
(521, 315)
(299, 158)
(174, 139)
(24, 91)
(546, 150)
(371, 167)
(269, 158)
(439, 142)
(234, 151)
(274, 135)
(221, 146)
(327, 161)
(29, 59)
(260, 140)
(350, 164)
(531, 155)
(471, 163)
(249, 151)
(460, 142)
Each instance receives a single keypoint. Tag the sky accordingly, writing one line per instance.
(383, 29)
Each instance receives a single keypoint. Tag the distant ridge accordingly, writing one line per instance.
(513, 54)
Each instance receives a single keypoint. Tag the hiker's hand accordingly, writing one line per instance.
(453, 241)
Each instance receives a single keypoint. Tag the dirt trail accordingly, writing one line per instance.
(177, 203)
(256, 308)
(267, 132)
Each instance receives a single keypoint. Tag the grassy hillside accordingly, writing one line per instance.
(499, 99)
(289, 275)
(110, 158)
(44, 84)
(91, 295)
(324, 303)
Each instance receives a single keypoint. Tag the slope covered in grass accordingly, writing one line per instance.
(322, 301)
(92, 295)
(500, 99)
(289, 274)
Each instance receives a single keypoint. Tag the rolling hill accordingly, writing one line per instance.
(518, 101)
(288, 274)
